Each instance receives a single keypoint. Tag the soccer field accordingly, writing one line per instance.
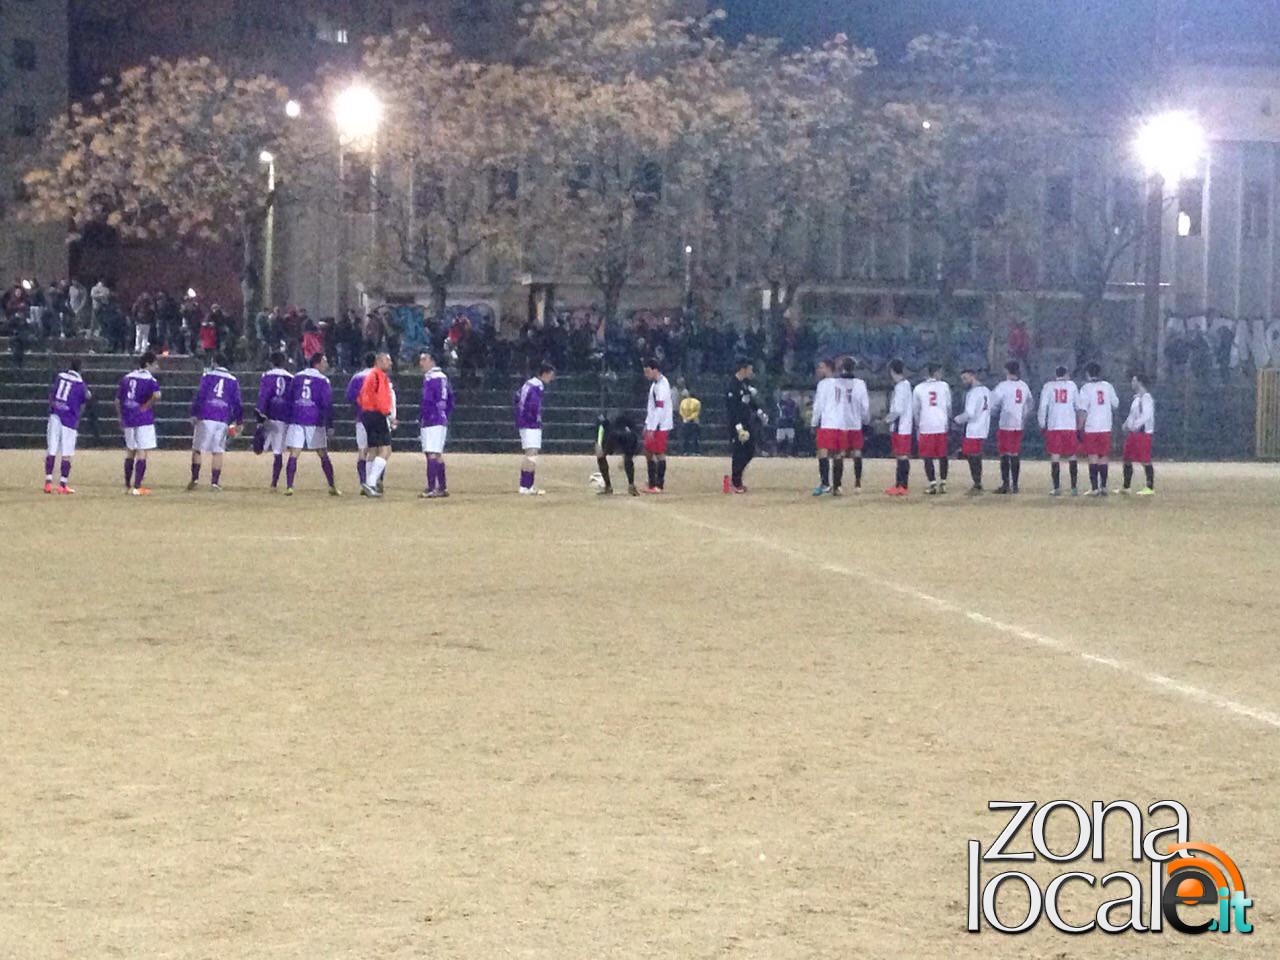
(241, 726)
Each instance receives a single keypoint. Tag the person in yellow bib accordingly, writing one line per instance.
(690, 424)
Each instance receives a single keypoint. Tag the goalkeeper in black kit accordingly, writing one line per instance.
(745, 419)
(614, 436)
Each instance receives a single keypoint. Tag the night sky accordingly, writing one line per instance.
(1059, 35)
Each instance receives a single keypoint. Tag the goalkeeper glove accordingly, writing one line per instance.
(743, 433)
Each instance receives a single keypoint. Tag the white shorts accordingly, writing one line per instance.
(362, 437)
(62, 440)
(530, 439)
(786, 433)
(140, 438)
(210, 437)
(433, 439)
(274, 431)
(298, 437)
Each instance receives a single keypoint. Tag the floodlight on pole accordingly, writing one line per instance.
(1171, 145)
(293, 109)
(266, 157)
(357, 113)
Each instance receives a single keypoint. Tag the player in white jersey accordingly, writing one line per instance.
(901, 421)
(658, 420)
(931, 401)
(824, 372)
(1058, 425)
(845, 409)
(976, 420)
(1097, 403)
(1141, 426)
(1010, 400)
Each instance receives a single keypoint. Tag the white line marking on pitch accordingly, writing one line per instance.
(1157, 680)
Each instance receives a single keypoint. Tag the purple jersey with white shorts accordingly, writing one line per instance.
(135, 390)
(353, 392)
(218, 397)
(273, 394)
(437, 399)
(310, 399)
(529, 405)
(67, 397)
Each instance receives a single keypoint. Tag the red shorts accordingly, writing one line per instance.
(901, 444)
(1061, 443)
(1009, 443)
(839, 441)
(1137, 448)
(655, 441)
(1096, 445)
(972, 447)
(932, 446)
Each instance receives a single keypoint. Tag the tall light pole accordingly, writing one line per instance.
(268, 159)
(357, 115)
(1170, 147)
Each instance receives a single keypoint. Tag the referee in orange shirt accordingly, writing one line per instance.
(378, 414)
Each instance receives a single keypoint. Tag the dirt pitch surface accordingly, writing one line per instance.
(240, 726)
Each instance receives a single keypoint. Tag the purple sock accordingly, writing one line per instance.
(362, 470)
(526, 479)
(128, 472)
(431, 474)
(48, 468)
(327, 466)
(277, 463)
(217, 476)
(139, 473)
(290, 472)
(440, 484)
(195, 471)
(66, 470)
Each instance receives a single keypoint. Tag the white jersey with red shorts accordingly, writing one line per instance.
(1010, 400)
(901, 418)
(1141, 426)
(1058, 418)
(932, 403)
(1097, 401)
(841, 407)
(659, 417)
(976, 419)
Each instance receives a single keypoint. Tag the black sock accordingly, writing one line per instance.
(1104, 471)
(857, 471)
(629, 468)
(824, 471)
(652, 469)
(837, 472)
(1093, 476)
(928, 470)
(1128, 475)
(943, 465)
(1015, 466)
(1074, 469)
(603, 464)
(1055, 469)
(904, 473)
(975, 470)
(1004, 470)
(1150, 471)
(662, 474)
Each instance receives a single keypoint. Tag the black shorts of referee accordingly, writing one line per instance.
(377, 428)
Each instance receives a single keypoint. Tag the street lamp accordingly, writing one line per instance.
(357, 113)
(293, 109)
(1170, 147)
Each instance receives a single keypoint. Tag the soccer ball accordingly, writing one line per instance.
(596, 481)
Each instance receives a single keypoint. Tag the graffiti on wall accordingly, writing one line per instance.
(1252, 342)
(915, 341)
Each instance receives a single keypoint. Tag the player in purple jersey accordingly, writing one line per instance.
(528, 411)
(216, 413)
(272, 412)
(437, 404)
(67, 398)
(362, 440)
(310, 421)
(136, 407)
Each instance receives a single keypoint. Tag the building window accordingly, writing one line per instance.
(332, 35)
(993, 198)
(1058, 200)
(1190, 208)
(24, 54)
(24, 120)
(1256, 222)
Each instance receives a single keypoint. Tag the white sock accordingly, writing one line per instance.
(375, 471)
